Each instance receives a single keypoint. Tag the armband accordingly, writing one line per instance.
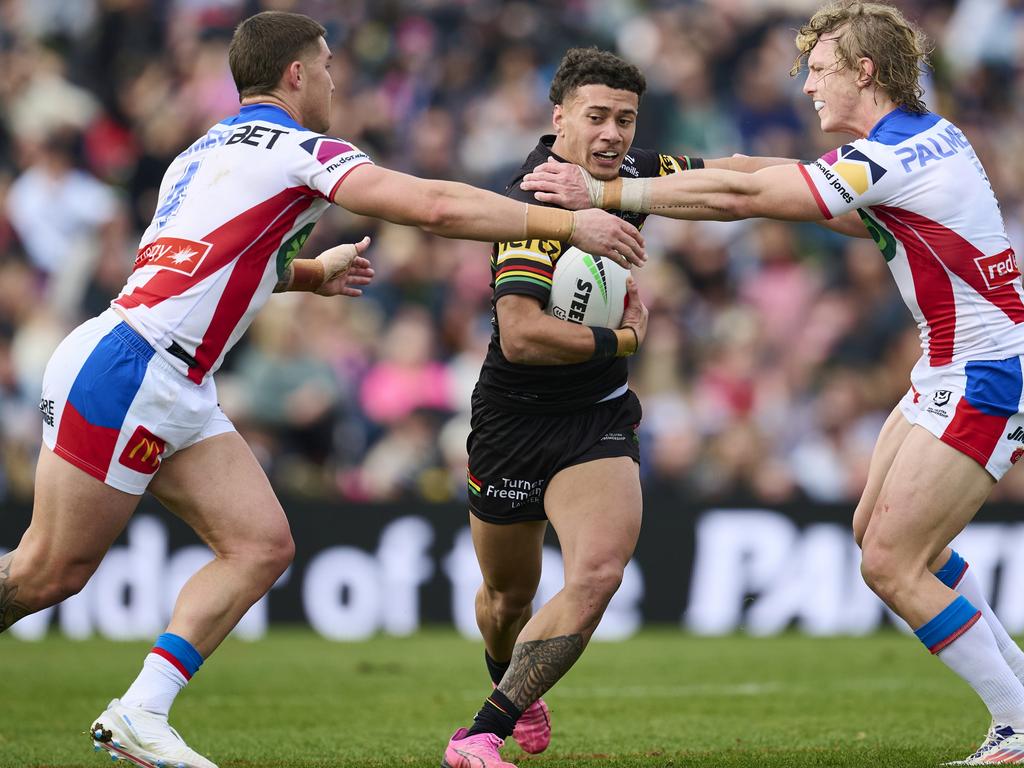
(606, 343)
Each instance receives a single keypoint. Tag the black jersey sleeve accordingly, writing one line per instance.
(525, 267)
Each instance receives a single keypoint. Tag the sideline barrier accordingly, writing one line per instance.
(364, 569)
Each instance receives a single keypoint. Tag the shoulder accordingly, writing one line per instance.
(513, 190)
(900, 126)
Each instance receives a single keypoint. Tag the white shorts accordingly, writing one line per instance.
(115, 409)
(975, 407)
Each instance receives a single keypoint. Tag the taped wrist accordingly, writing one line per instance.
(549, 224)
(624, 195)
(307, 275)
(627, 351)
(606, 343)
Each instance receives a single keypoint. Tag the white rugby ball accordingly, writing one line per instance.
(588, 290)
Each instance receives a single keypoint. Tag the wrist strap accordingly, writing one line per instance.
(307, 275)
(549, 223)
(606, 343)
(636, 341)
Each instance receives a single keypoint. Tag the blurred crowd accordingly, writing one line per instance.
(775, 351)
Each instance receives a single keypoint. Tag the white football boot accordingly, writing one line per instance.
(1002, 745)
(142, 738)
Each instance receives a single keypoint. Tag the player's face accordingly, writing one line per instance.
(832, 87)
(319, 90)
(594, 128)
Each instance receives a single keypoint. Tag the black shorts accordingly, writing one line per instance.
(513, 456)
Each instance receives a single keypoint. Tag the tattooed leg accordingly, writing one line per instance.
(537, 665)
(10, 609)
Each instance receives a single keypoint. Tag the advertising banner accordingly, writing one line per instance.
(366, 569)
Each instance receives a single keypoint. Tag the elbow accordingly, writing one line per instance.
(440, 216)
(514, 351)
(515, 348)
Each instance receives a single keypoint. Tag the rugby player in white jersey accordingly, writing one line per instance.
(911, 181)
(128, 399)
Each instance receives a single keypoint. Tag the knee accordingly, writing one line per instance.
(881, 570)
(859, 529)
(43, 579)
(278, 555)
(266, 557)
(507, 606)
(593, 588)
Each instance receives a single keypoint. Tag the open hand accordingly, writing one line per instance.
(562, 184)
(602, 234)
(346, 268)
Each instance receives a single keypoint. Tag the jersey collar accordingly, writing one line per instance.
(267, 113)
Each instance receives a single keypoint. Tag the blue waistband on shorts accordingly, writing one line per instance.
(133, 339)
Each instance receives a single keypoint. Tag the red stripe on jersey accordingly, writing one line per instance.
(961, 258)
(814, 191)
(973, 432)
(87, 446)
(520, 268)
(245, 278)
(228, 242)
(932, 287)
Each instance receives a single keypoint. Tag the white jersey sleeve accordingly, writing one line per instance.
(856, 175)
(321, 163)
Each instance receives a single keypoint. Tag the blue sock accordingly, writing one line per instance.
(952, 621)
(179, 652)
(954, 569)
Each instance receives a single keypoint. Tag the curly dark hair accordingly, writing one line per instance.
(592, 66)
(876, 31)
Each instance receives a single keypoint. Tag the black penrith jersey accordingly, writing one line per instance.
(526, 267)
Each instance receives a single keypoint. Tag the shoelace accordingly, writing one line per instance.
(994, 737)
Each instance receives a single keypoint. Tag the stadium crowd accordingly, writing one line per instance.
(774, 352)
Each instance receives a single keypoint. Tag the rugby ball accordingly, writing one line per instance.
(588, 290)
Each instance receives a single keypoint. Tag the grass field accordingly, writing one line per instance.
(661, 699)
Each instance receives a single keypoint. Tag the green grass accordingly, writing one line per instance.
(661, 699)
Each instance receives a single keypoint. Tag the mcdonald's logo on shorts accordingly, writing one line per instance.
(143, 451)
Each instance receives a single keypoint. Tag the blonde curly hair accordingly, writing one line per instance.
(876, 31)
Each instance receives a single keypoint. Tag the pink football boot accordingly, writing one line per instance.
(478, 751)
(533, 730)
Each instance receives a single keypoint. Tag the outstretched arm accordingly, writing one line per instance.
(459, 210)
(775, 191)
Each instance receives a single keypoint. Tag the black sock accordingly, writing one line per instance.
(495, 668)
(498, 715)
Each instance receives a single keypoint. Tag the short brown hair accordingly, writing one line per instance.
(879, 32)
(592, 66)
(265, 44)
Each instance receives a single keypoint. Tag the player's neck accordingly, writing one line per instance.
(874, 110)
(266, 98)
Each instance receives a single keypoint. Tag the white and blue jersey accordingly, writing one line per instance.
(920, 189)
